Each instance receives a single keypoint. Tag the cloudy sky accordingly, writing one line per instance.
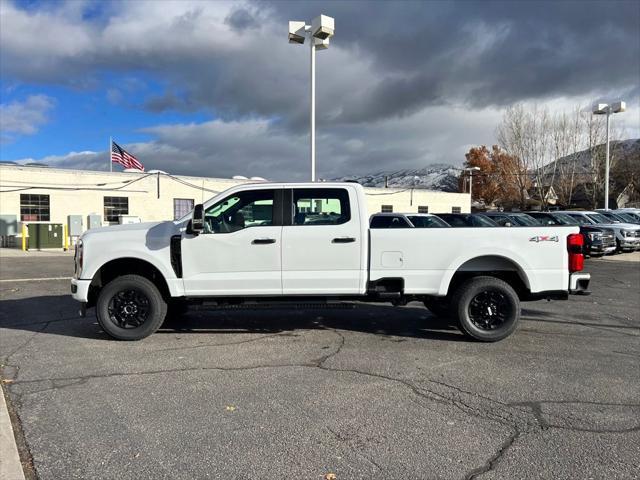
(214, 89)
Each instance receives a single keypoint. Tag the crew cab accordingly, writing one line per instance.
(303, 242)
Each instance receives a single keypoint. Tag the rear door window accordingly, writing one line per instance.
(320, 206)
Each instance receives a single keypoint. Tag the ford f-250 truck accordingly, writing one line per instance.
(304, 242)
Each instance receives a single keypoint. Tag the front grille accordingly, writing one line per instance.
(608, 240)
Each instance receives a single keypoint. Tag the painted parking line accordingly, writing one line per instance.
(45, 279)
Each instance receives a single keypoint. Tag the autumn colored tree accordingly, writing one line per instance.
(485, 184)
(510, 178)
(495, 181)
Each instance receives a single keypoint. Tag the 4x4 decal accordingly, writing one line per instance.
(544, 238)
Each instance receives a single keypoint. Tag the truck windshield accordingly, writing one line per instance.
(420, 221)
(480, 221)
(523, 220)
(581, 220)
(599, 218)
(613, 216)
(565, 219)
(627, 217)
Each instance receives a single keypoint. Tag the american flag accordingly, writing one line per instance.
(124, 158)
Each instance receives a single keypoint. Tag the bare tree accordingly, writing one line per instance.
(512, 136)
(595, 136)
(566, 142)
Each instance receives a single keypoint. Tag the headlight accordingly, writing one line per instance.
(78, 256)
(595, 236)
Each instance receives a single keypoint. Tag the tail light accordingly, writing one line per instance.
(575, 243)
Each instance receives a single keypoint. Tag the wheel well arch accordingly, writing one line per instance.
(494, 266)
(125, 266)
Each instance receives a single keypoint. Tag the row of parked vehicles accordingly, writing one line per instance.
(604, 231)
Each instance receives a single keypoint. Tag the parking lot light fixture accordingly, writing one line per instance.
(318, 33)
(471, 170)
(606, 109)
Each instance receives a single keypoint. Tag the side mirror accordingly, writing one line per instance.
(197, 219)
(507, 224)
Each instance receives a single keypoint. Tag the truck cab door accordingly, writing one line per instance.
(239, 251)
(322, 242)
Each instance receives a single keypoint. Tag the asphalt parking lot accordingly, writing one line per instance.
(369, 392)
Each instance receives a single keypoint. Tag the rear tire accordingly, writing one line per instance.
(487, 308)
(130, 308)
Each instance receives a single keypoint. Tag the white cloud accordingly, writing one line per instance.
(401, 99)
(24, 118)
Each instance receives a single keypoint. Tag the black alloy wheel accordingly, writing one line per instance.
(130, 307)
(489, 310)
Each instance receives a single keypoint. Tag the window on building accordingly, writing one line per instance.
(181, 207)
(321, 206)
(386, 208)
(423, 209)
(114, 207)
(34, 208)
(252, 208)
(456, 210)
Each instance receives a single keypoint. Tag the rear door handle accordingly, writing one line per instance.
(263, 241)
(343, 240)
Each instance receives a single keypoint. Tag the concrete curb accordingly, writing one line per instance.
(10, 466)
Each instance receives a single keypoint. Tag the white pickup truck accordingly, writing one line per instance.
(304, 242)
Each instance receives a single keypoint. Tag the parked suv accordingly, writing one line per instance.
(598, 241)
(466, 220)
(621, 216)
(511, 219)
(627, 234)
(629, 216)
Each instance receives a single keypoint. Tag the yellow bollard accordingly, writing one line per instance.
(24, 237)
(65, 237)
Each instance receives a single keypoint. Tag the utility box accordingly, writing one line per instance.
(45, 235)
(75, 225)
(8, 230)
(94, 221)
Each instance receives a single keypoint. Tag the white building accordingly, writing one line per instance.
(30, 194)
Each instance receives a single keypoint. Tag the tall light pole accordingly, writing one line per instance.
(606, 109)
(471, 170)
(319, 32)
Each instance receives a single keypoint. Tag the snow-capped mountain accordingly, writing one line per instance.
(625, 151)
(432, 177)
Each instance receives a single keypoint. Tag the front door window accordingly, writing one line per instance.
(241, 210)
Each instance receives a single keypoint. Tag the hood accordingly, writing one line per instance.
(624, 226)
(129, 228)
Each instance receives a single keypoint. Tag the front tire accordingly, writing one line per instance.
(487, 308)
(130, 308)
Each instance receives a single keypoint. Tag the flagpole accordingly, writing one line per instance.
(110, 162)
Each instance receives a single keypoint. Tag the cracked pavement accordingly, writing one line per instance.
(362, 391)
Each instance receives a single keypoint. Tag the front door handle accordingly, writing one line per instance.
(343, 240)
(263, 241)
